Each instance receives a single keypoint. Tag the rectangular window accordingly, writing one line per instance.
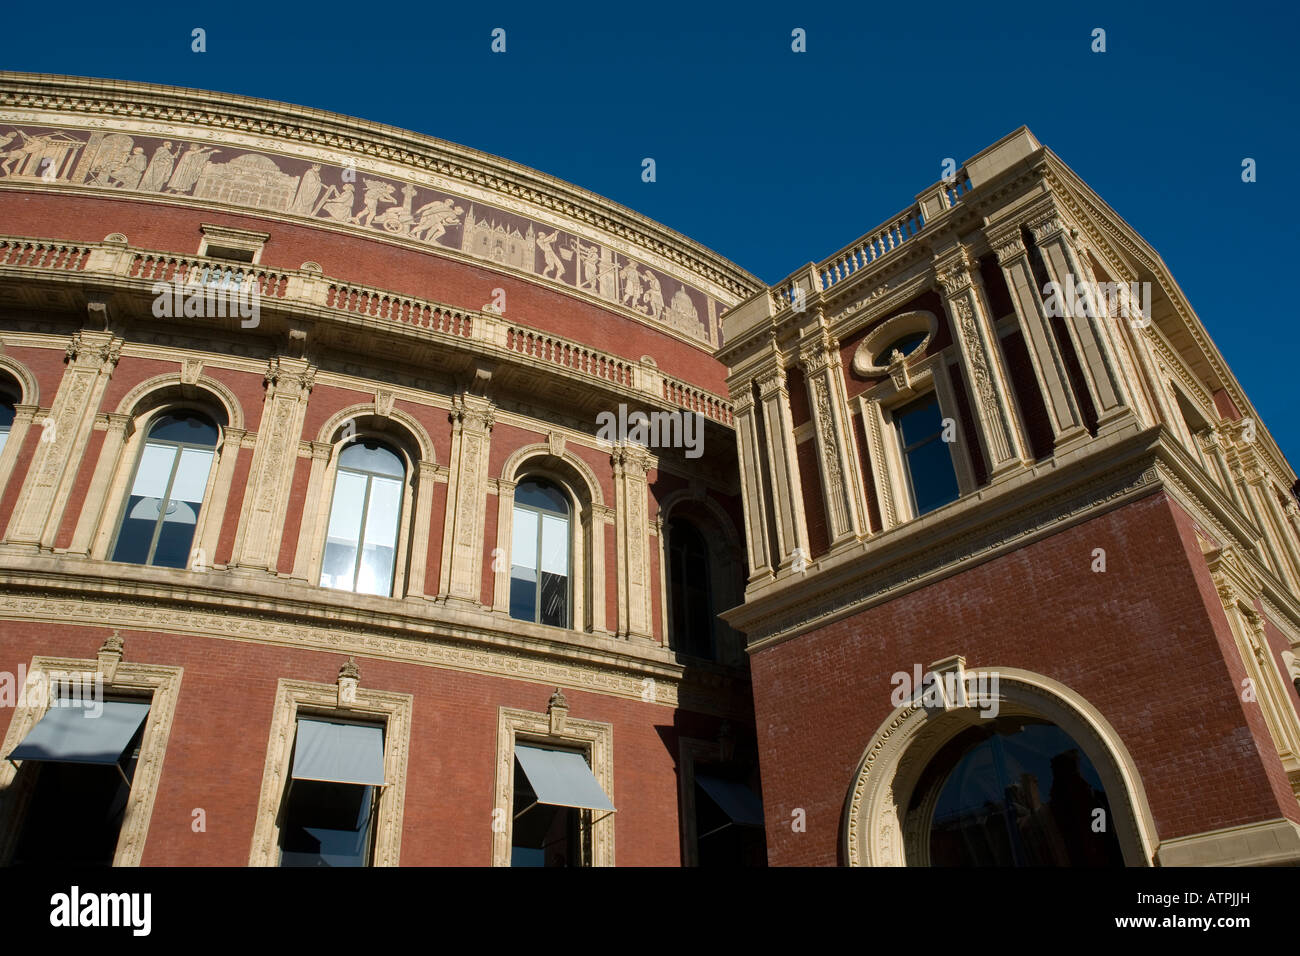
(84, 763)
(330, 801)
(728, 819)
(931, 477)
(554, 799)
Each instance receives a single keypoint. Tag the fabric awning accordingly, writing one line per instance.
(736, 800)
(339, 753)
(73, 735)
(561, 778)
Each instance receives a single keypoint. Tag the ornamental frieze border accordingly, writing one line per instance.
(487, 661)
(330, 188)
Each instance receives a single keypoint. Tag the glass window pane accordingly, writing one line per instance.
(919, 420)
(176, 536)
(371, 456)
(523, 594)
(555, 545)
(380, 547)
(555, 600)
(155, 470)
(343, 536)
(4, 437)
(192, 476)
(934, 483)
(190, 429)
(540, 495)
(326, 824)
(6, 416)
(523, 540)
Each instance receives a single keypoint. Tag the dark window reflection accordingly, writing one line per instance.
(540, 539)
(929, 463)
(327, 824)
(6, 421)
(905, 344)
(1019, 793)
(171, 477)
(546, 835)
(690, 595)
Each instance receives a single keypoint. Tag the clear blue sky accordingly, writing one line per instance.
(774, 158)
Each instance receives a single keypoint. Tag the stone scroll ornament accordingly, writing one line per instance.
(345, 196)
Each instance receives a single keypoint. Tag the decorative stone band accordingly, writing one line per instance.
(177, 169)
(299, 291)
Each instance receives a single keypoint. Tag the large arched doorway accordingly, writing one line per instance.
(1015, 791)
(1032, 775)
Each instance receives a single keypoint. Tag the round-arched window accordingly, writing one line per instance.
(1016, 791)
(171, 479)
(540, 545)
(365, 514)
(690, 596)
(6, 419)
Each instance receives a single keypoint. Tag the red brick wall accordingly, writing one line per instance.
(1145, 643)
(217, 749)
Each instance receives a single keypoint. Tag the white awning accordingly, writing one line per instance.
(75, 735)
(339, 753)
(561, 778)
(736, 800)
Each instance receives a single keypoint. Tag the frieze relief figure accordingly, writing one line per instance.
(190, 168)
(160, 168)
(114, 161)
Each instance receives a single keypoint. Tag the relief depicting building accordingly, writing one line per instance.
(361, 562)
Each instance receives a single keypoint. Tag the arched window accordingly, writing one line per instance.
(690, 594)
(167, 491)
(361, 541)
(1017, 791)
(540, 544)
(6, 419)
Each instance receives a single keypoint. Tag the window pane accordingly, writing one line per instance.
(343, 537)
(523, 595)
(906, 345)
(4, 437)
(555, 545)
(380, 546)
(326, 824)
(154, 471)
(371, 456)
(540, 495)
(919, 420)
(6, 416)
(555, 600)
(934, 483)
(192, 476)
(176, 536)
(190, 429)
(523, 540)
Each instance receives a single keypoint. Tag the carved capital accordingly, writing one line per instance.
(954, 274)
(1007, 246)
(472, 412)
(771, 381)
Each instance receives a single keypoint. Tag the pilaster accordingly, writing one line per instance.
(841, 483)
(783, 467)
(632, 530)
(462, 544)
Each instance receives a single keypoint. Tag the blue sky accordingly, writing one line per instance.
(774, 158)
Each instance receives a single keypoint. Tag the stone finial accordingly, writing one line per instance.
(349, 679)
(110, 655)
(557, 709)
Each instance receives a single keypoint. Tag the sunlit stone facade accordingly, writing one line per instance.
(1023, 560)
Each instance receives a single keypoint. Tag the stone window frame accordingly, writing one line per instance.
(588, 519)
(726, 568)
(294, 698)
(909, 381)
(228, 237)
(404, 436)
(691, 751)
(594, 738)
(100, 521)
(161, 684)
(26, 407)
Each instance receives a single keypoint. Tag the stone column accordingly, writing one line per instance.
(110, 458)
(232, 441)
(1079, 304)
(841, 483)
(1049, 368)
(92, 356)
(750, 458)
(315, 510)
(461, 574)
(24, 415)
(783, 469)
(995, 422)
(426, 478)
(288, 387)
(598, 518)
(632, 530)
